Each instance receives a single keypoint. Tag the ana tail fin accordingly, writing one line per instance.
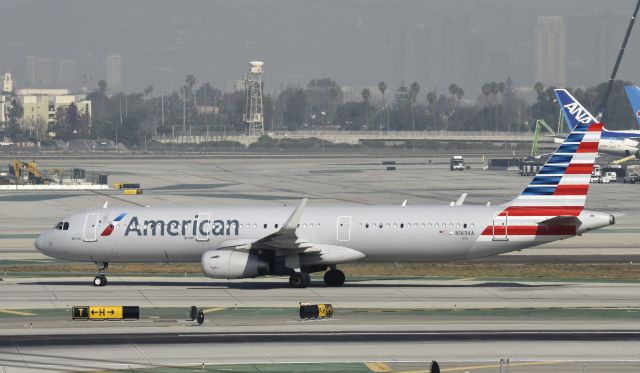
(561, 185)
(633, 94)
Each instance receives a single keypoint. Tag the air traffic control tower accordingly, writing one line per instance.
(253, 88)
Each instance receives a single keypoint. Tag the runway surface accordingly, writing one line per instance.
(172, 350)
(60, 292)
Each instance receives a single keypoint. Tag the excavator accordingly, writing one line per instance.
(35, 176)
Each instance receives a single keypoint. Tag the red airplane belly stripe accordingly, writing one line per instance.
(542, 211)
(535, 230)
(571, 190)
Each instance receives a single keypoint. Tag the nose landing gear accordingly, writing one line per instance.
(101, 279)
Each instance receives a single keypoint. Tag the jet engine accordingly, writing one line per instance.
(233, 264)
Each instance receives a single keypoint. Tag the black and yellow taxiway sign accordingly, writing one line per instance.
(106, 312)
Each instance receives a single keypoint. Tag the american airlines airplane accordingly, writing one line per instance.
(246, 242)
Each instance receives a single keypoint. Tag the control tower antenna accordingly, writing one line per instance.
(253, 87)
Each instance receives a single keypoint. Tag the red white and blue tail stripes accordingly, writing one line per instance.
(560, 187)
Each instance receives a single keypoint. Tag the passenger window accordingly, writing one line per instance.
(366, 225)
(450, 225)
(458, 225)
(276, 226)
(415, 225)
(360, 225)
(395, 225)
(66, 226)
(409, 226)
(265, 226)
(381, 225)
(430, 225)
(59, 226)
(437, 225)
(464, 225)
(401, 225)
(305, 225)
(388, 225)
(423, 225)
(471, 225)
(318, 225)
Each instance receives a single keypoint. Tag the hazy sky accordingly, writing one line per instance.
(356, 42)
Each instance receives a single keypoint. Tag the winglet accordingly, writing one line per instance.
(461, 199)
(294, 219)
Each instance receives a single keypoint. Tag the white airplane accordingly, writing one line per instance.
(620, 142)
(251, 241)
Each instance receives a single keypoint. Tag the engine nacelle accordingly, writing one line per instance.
(631, 143)
(233, 264)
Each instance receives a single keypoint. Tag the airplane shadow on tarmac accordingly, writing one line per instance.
(202, 285)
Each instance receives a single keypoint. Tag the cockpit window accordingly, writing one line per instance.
(59, 226)
(65, 227)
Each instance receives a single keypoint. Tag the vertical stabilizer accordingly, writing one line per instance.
(633, 94)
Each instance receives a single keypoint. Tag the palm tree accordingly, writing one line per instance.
(382, 87)
(366, 93)
(414, 89)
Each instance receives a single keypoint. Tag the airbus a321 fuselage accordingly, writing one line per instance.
(251, 241)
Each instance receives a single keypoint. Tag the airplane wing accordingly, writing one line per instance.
(285, 239)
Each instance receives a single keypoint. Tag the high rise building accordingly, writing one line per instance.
(31, 70)
(114, 72)
(45, 72)
(551, 51)
(67, 73)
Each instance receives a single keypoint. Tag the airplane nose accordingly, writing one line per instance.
(40, 242)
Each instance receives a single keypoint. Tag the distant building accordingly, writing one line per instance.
(7, 83)
(550, 51)
(114, 72)
(39, 71)
(41, 106)
(3, 109)
(31, 70)
(237, 85)
(67, 73)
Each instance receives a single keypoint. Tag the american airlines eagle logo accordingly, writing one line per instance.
(109, 229)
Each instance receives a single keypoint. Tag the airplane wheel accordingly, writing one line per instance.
(334, 277)
(99, 280)
(299, 280)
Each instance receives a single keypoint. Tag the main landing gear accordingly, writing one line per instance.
(299, 280)
(101, 279)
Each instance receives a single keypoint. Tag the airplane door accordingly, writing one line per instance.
(344, 228)
(204, 226)
(501, 226)
(90, 231)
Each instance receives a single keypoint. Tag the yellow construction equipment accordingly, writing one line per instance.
(534, 146)
(132, 191)
(30, 167)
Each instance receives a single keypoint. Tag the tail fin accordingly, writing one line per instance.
(560, 187)
(633, 94)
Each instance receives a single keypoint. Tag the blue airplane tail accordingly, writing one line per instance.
(633, 94)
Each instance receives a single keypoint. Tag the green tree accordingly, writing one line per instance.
(382, 87)
(366, 94)
(414, 89)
